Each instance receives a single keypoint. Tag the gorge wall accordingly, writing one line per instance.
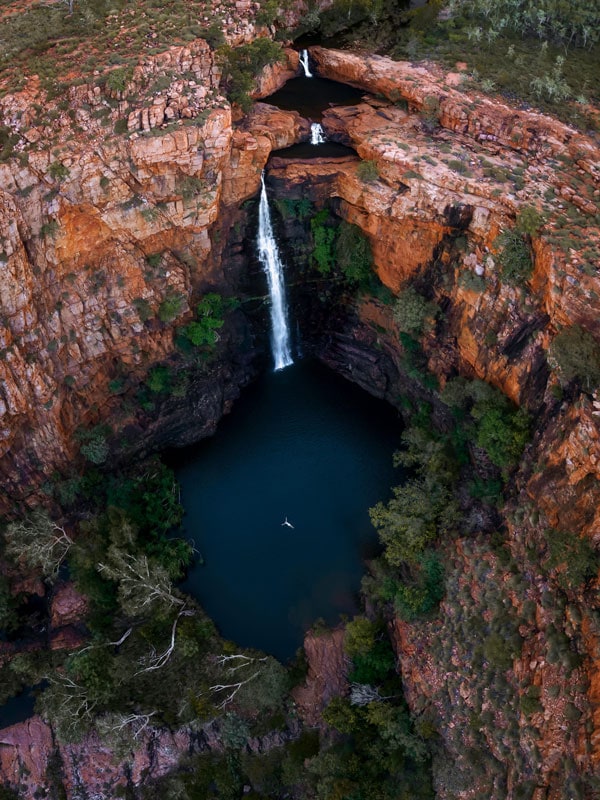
(106, 240)
(437, 189)
(105, 253)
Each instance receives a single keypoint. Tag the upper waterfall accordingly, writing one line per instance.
(268, 254)
(304, 62)
(317, 134)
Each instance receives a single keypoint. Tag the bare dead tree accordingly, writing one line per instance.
(39, 542)
(133, 723)
(361, 694)
(142, 583)
(157, 660)
(233, 688)
(104, 644)
(68, 704)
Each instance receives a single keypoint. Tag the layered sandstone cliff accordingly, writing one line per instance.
(100, 234)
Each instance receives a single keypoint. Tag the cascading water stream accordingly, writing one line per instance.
(304, 62)
(317, 134)
(268, 255)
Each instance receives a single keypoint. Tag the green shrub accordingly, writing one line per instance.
(514, 257)
(529, 221)
(190, 187)
(323, 236)
(413, 313)
(8, 140)
(420, 594)
(49, 229)
(576, 355)
(204, 331)
(575, 557)
(353, 254)
(94, 444)
(530, 701)
(430, 113)
(58, 171)
(154, 260)
(497, 652)
(360, 637)
(118, 79)
(471, 281)
(213, 35)
(241, 65)
(294, 209)
(159, 379)
(489, 419)
(143, 308)
(374, 665)
(120, 127)
(502, 431)
(171, 307)
(268, 12)
(367, 171)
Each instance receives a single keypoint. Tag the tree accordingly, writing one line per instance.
(94, 446)
(353, 253)
(514, 257)
(204, 331)
(418, 512)
(413, 313)
(144, 585)
(323, 236)
(360, 637)
(574, 353)
(255, 683)
(39, 542)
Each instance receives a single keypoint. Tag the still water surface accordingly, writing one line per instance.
(311, 96)
(304, 444)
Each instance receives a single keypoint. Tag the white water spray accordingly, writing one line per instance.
(304, 62)
(268, 255)
(317, 134)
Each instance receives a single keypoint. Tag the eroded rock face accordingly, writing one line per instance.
(25, 750)
(90, 259)
(68, 606)
(32, 761)
(327, 674)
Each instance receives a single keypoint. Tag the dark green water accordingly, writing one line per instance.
(304, 444)
(311, 96)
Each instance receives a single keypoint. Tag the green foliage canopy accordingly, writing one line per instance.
(576, 355)
(414, 314)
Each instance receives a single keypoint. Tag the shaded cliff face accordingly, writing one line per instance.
(106, 240)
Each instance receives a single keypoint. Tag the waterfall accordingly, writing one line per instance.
(317, 134)
(268, 254)
(304, 62)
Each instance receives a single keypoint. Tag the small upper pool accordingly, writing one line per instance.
(306, 150)
(311, 96)
(304, 445)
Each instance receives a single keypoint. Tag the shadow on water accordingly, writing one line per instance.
(20, 707)
(304, 444)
